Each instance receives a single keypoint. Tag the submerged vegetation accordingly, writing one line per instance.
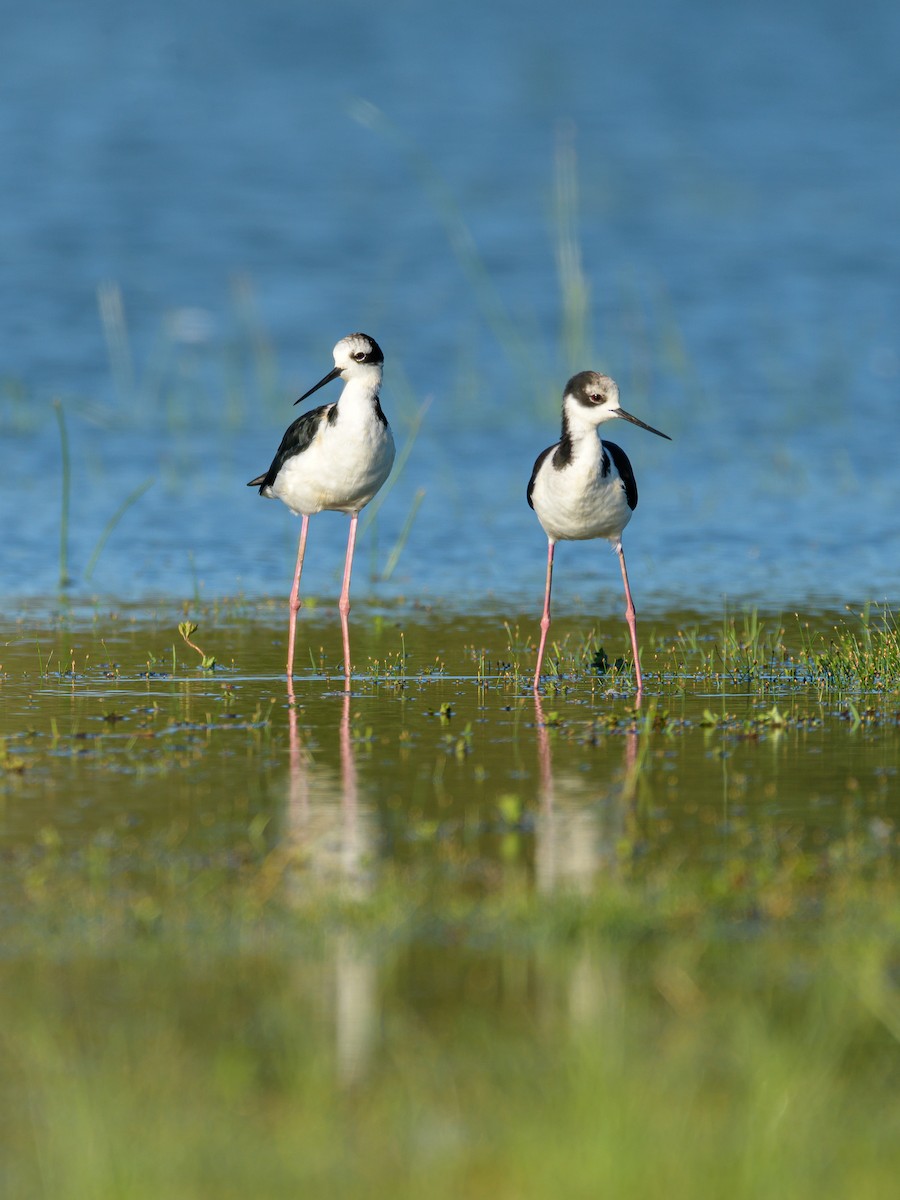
(437, 935)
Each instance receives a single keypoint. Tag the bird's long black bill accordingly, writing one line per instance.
(328, 378)
(620, 412)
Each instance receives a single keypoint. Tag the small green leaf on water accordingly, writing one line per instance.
(10, 762)
(510, 847)
(510, 807)
(146, 914)
(256, 831)
(187, 629)
(49, 838)
(425, 830)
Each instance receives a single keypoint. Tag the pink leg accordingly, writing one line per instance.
(545, 619)
(344, 602)
(630, 617)
(295, 596)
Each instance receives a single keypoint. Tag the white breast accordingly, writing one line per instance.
(576, 502)
(343, 467)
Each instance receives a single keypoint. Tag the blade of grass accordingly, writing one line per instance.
(405, 451)
(66, 490)
(115, 330)
(394, 556)
(462, 243)
(572, 282)
(117, 516)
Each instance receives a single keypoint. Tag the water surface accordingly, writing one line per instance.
(251, 196)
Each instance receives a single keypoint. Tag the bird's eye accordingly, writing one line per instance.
(359, 355)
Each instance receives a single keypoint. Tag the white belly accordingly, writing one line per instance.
(577, 503)
(341, 469)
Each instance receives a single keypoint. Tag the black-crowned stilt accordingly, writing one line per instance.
(583, 487)
(334, 458)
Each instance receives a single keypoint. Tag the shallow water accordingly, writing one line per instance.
(376, 930)
(440, 743)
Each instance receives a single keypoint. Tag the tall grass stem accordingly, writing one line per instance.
(573, 284)
(115, 331)
(405, 451)
(117, 516)
(394, 556)
(66, 492)
(518, 349)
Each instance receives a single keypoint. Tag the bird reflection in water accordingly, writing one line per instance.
(331, 841)
(577, 831)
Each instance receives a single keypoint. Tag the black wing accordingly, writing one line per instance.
(298, 437)
(537, 466)
(623, 466)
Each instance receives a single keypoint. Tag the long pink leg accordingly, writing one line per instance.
(295, 596)
(545, 619)
(344, 602)
(630, 617)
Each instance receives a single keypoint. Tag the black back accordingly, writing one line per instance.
(297, 438)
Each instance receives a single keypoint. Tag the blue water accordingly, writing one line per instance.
(257, 180)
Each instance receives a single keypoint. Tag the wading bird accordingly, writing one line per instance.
(582, 487)
(334, 458)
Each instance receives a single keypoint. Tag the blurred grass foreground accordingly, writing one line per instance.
(218, 1042)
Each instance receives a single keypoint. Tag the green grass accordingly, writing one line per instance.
(859, 651)
(666, 1034)
(66, 491)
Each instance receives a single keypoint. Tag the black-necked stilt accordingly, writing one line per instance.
(334, 458)
(583, 487)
